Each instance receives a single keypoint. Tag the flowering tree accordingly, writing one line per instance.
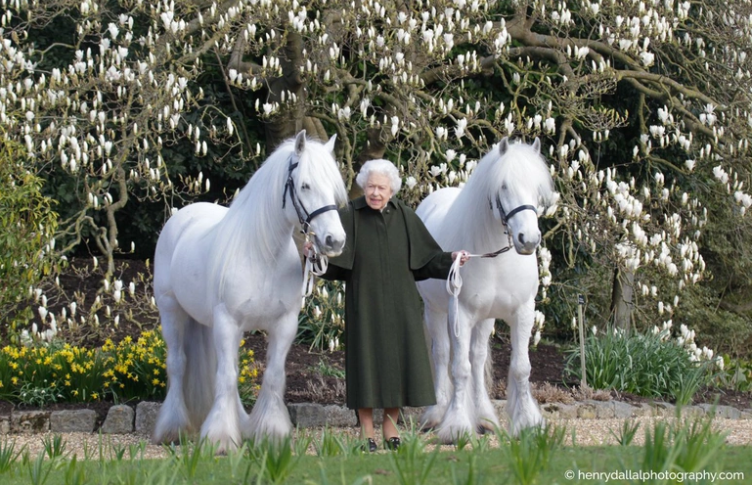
(644, 108)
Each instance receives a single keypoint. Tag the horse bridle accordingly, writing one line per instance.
(304, 216)
(505, 216)
(316, 264)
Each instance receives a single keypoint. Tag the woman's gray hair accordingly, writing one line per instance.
(383, 167)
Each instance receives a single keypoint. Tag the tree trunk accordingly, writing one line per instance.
(622, 299)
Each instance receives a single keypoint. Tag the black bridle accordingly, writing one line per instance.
(304, 216)
(505, 216)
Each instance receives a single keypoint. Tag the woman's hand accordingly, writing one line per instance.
(307, 248)
(464, 256)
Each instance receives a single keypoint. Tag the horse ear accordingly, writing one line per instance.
(330, 144)
(503, 145)
(536, 145)
(300, 142)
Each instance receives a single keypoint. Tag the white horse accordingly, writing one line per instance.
(496, 209)
(219, 272)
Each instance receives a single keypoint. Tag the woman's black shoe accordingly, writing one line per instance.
(392, 443)
(371, 445)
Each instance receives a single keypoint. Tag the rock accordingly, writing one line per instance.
(308, 415)
(603, 409)
(587, 410)
(642, 410)
(623, 410)
(30, 421)
(691, 412)
(725, 412)
(146, 417)
(664, 409)
(76, 421)
(559, 411)
(5, 424)
(119, 420)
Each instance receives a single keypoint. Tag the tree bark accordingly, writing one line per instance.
(622, 299)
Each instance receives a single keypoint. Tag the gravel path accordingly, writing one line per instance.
(587, 432)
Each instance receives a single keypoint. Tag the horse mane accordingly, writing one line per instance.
(254, 225)
(469, 221)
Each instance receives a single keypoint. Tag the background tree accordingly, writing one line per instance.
(643, 106)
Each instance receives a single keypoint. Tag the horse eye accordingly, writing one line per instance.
(305, 187)
(503, 186)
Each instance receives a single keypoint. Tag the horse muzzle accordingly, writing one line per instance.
(524, 244)
(330, 245)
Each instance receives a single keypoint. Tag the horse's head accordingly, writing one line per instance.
(316, 190)
(523, 181)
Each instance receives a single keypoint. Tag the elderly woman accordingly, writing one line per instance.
(388, 248)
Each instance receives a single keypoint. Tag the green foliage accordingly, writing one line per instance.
(40, 373)
(411, 464)
(27, 225)
(669, 447)
(530, 452)
(326, 370)
(642, 364)
(626, 433)
(33, 395)
(74, 473)
(39, 469)
(54, 446)
(736, 374)
(330, 444)
(687, 448)
(321, 322)
(8, 455)
(275, 459)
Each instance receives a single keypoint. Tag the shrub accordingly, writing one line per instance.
(321, 322)
(649, 365)
(42, 373)
(27, 224)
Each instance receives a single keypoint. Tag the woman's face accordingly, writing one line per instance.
(378, 190)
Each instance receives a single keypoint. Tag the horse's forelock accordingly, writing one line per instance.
(321, 168)
(522, 162)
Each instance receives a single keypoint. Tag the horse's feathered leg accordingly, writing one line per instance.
(457, 420)
(485, 414)
(521, 407)
(173, 416)
(222, 425)
(439, 344)
(269, 417)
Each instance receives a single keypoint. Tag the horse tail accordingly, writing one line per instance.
(200, 372)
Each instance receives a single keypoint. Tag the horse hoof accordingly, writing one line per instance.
(428, 428)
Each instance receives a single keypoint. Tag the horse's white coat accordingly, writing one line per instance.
(219, 272)
(493, 288)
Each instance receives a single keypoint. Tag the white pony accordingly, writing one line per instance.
(219, 272)
(497, 208)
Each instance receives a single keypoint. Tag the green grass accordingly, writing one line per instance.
(533, 458)
(490, 467)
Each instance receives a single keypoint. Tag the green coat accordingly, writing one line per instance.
(386, 358)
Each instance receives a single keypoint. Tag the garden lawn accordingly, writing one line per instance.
(494, 466)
